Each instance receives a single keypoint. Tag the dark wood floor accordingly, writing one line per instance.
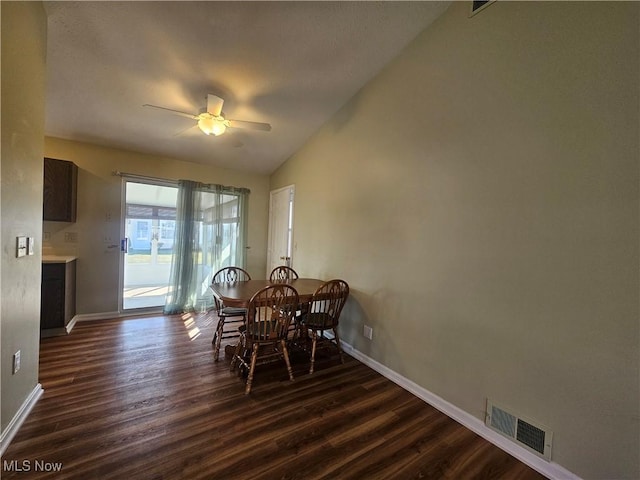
(143, 399)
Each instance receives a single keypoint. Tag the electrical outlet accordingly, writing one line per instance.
(368, 332)
(16, 362)
(71, 237)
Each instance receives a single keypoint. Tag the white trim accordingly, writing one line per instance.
(87, 317)
(123, 222)
(550, 470)
(19, 418)
(71, 324)
(55, 332)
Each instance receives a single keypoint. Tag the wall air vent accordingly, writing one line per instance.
(478, 5)
(534, 437)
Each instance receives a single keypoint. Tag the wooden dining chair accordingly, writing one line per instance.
(323, 314)
(283, 274)
(264, 337)
(227, 315)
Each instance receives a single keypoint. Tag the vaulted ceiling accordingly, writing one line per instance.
(290, 64)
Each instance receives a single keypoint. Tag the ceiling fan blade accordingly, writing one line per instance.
(175, 112)
(181, 132)
(214, 105)
(251, 125)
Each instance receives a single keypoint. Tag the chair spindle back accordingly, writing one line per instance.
(283, 274)
(327, 303)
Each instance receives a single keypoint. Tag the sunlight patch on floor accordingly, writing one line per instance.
(189, 323)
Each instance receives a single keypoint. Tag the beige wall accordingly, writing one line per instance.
(99, 213)
(24, 30)
(481, 198)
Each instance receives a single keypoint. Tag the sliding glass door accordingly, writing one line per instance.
(149, 225)
(172, 247)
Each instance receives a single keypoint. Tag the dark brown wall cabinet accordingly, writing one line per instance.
(60, 190)
(58, 305)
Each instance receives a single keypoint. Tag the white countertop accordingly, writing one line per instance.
(58, 258)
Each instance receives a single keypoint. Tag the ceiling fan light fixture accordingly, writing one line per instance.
(218, 127)
(211, 126)
(206, 125)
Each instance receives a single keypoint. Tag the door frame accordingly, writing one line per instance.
(292, 189)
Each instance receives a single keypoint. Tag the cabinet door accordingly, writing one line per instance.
(53, 296)
(60, 190)
(69, 291)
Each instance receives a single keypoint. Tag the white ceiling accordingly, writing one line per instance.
(291, 64)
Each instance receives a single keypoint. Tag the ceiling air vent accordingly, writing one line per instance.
(534, 437)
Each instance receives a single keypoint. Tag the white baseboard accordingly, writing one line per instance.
(550, 470)
(86, 317)
(55, 332)
(71, 324)
(19, 418)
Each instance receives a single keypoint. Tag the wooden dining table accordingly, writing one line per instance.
(238, 294)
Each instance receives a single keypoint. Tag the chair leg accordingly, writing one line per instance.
(337, 338)
(285, 353)
(303, 333)
(314, 336)
(217, 338)
(292, 334)
(254, 357)
(236, 354)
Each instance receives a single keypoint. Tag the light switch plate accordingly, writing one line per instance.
(368, 332)
(31, 244)
(21, 246)
(16, 362)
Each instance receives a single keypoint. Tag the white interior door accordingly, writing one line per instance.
(279, 250)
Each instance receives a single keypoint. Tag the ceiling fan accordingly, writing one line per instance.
(212, 121)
